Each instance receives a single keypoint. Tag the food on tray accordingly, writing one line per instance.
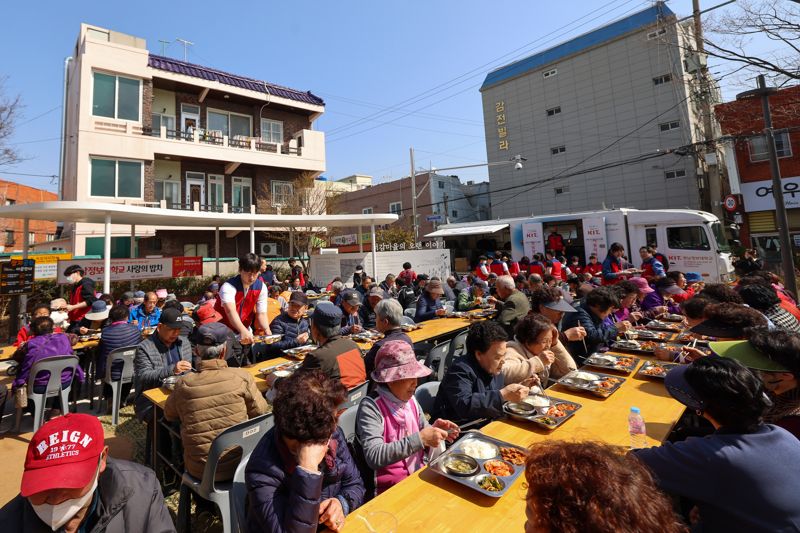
(537, 401)
(655, 370)
(498, 468)
(546, 420)
(513, 456)
(568, 406)
(520, 408)
(583, 376)
(461, 465)
(608, 383)
(491, 484)
(479, 449)
(556, 411)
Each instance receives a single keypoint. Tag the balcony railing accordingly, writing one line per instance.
(215, 137)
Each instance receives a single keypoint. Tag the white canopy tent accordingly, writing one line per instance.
(106, 213)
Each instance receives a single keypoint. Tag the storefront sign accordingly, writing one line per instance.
(16, 276)
(46, 264)
(502, 129)
(758, 194)
(133, 269)
(594, 237)
(532, 238)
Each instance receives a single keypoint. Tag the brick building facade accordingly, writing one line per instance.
(39, 231)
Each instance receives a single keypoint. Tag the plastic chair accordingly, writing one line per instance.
(436, 357)
(408, 320)
(355, 395)
(244, 436)
(426, 395)
(410, 312)
(55, 366)
(125, 355)
(347, 421)
(239, 495)
(458, 347)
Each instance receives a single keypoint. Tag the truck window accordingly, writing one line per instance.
(687, 238)
(650, 236)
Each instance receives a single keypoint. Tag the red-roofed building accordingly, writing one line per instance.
(39, 231)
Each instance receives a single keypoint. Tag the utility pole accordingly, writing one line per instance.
(787, 259)
(714, 186)
(414, 196)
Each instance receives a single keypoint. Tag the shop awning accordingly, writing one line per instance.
(467, 230)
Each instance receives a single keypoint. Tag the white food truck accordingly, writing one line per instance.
(692, 240)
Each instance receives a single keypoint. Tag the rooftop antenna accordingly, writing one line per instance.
(186, 45)
(164, 45)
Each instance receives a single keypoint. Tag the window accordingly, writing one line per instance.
(282, 193)
(366, 211)
(670, 174)
(9, 201)
(9, 236)
(759, 150)
(169, 191)
(396, 208)
(195, 250)
(664, 78)
(558, 150)
(50, 237)
(216, 190)
(230, 124)
(271, 131)
(242, 194)
(650, 237)
(687, 238)
(549, 73)
(115, 97)
(116, 178)
(667, 126)
(656, 34)
(562, 190)
(159, 120)
(441, 185)
(554, 111)
(454, 213)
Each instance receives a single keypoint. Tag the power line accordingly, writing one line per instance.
(38, 116)
(31, 175)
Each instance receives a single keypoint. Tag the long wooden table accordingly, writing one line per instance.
(428, 502)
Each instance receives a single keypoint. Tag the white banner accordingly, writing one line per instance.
(758, 194)
(594, 237)
(46, 264)
(431, 262)
(532, 238)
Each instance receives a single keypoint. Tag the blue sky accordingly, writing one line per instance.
(424, 60)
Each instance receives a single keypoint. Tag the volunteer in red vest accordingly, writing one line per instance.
(613, 270)
(497, 266)
(513, 266)
(575, 266)
(652, 269)
(555, 241)
(482, 271)
(593, 267)
(553, 266)
(243, 300)
(81, 294)
(661, 257)
(536, 266)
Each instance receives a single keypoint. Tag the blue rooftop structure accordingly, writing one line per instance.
(601, 35)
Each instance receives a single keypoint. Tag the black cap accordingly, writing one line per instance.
(351, 297)
(298, 297)
(211, 334)
(72, 269)
(422, 277)
(171, 318)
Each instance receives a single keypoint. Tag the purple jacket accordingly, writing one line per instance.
(42, 347)
(654, 299)
(289, 502)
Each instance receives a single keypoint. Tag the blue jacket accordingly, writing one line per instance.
(740, 482)
(426, 307)
(468, 393)
(597, 332)
(281, 501)
(143, 319)
(608, 272)
(290, 328)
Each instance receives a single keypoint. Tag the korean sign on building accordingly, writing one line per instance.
(502, 128)
(133, 269)
(46, 264)
(758, 194)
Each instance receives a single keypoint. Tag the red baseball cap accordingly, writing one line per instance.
(206, 313)
(63, 454)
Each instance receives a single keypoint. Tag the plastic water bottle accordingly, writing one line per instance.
(637, 429)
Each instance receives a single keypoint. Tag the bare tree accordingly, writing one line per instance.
(10, 108)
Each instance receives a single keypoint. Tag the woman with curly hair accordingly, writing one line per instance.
(301, 474)
(536, 353)
(586, 487)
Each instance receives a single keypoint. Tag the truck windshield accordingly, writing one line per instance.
(719, 236)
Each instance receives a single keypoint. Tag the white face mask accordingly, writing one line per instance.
(59, 514)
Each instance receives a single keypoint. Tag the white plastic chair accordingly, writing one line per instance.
(55, 366)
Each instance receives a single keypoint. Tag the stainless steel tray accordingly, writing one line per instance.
(573, 382)
(661, 325)
(599, 360)
(300, 352)
(647, 372)
(624, 345)
(472, 481)
(541, 416)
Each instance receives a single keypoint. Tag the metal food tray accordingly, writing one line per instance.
(281, 366)
(684, 339)
(366, 337)
(267, 339)
(672, 317)
(622, 345)
(299, 352)
(672, 327)
(410, 327)
(569, 382)
(542, 413)
(651, 364)
(677, 346)
(593, 360)
(87, 338)
(471, 481)
(649, 335)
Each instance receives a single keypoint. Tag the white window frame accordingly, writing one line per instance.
(275, 193)
(550, 73)
(366, 211)
(241, 182)
(662, 79)
(217, 180)
(229, 113)
(557, 150)
(669, 126)
(116, 96)
(271, 122)
(116, 178)
(673, 174)
(161, 119)
(171, 183)
(757, 157)
(553, 111)
(396, 208)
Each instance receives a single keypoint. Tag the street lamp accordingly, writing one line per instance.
(517, 160)
(787, 262)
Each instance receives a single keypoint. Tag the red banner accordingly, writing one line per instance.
(187, 266)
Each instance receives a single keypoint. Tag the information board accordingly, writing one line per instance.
(16, 276)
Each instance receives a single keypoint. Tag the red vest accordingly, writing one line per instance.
(497, 268)
(615, 267)
(245, 304)
(555, 242)
(647, 271)
(576, 269)
(555, 269)
(536, 268)
(480, 274)
(593, 269)
(75, 298)
(513, 268)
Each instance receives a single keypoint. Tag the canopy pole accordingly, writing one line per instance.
(252, 236)
(107, 257)
(360, 242)
(291, 242)
(133, 247)
(374, 253)
(23, 299)
(216, 250)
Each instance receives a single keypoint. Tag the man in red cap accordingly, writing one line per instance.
(71, 484)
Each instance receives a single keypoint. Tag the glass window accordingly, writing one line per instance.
(242, 193)
(240, 125)
(722, 241)
(396, 208)
(195, 250)
(129, 179)
(759, 150)
(282, 193)
(687, 238)
(216, 190)
(103, 177)
(104, 95)
(162, 120)
(366, 211)
(170, 191)
(218, 122)
(128, 92)
(9, 236)
(271, 131)
(650, 237)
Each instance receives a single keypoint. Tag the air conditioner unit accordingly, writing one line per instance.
(269, 249)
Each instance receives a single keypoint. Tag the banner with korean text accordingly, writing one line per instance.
(46, 264)
(133, 269)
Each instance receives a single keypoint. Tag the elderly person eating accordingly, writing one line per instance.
(474, 297)
(535, 354)
(391, 426)
(429, 303)
(301, 475)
